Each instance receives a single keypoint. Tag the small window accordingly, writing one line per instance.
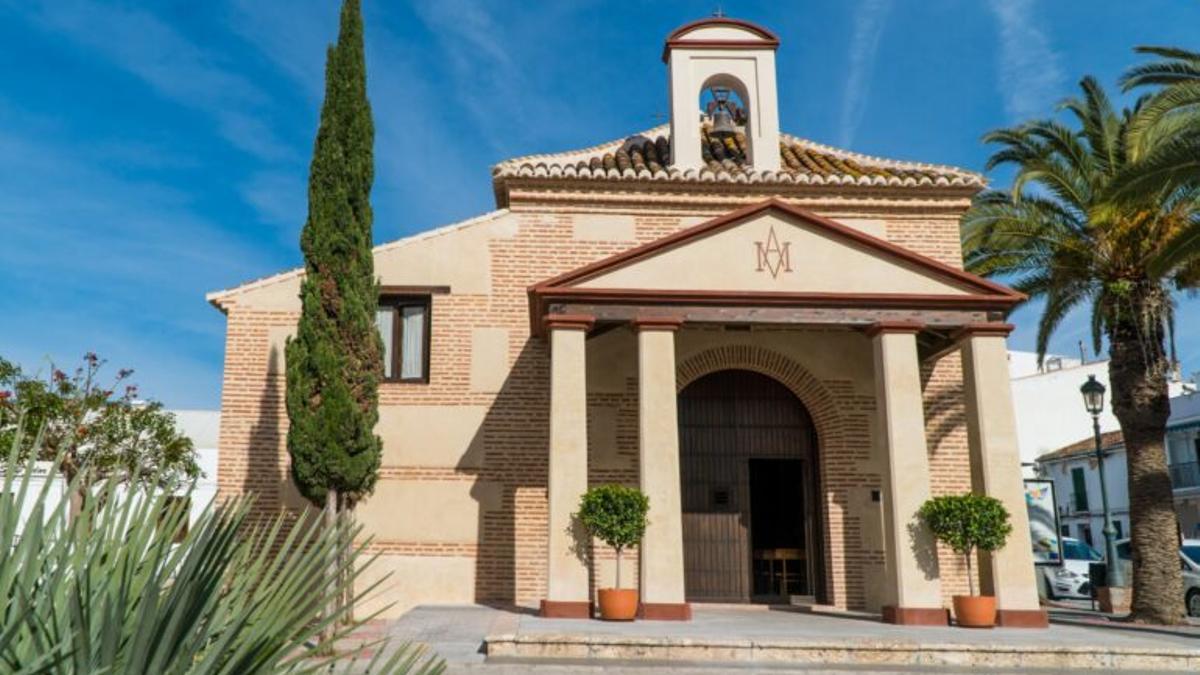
(1085, 533)
(720, 498)
(1080, 495)
(1120, 529)
(1124, 551)
(403, 323)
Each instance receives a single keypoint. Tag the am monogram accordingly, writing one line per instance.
(773, 257)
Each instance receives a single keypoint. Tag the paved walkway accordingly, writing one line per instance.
(457, 634)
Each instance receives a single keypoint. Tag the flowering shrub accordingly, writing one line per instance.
(88, 419)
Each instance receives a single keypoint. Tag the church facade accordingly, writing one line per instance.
(774, 339)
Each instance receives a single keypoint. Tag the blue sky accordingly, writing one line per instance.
(151, 152)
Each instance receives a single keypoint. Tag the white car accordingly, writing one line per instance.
(1189, 561)
(1071, 579)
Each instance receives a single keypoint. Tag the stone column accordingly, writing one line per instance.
(914, 594)
(658, 464)
(567, 577)
(996, 471)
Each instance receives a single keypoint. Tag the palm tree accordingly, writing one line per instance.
(1083, 226)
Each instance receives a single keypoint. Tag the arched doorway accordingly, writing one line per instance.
(748, 468)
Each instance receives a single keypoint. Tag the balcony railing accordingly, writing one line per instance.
(1185, 475)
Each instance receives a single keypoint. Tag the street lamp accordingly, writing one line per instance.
(1093, 400)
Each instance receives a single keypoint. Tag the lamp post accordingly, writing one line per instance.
(1093, 400)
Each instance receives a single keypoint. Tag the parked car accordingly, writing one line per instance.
(1189, 561)
(1071, 579)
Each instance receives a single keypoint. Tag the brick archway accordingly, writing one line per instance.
(821, 403)
(822, 408)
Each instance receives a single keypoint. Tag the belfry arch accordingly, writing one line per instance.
(734, 53)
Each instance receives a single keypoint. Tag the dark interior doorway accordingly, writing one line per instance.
(751, 520)
(778, 541)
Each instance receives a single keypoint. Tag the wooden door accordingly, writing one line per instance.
(725, 419)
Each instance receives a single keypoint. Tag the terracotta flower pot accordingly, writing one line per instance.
(975, 611)
(618, 604)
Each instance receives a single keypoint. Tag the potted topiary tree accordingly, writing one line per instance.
(966, 523)
(616, 515)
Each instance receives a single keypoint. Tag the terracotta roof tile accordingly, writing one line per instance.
(1085, 446)
(647, 156)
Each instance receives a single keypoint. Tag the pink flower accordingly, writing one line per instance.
(5, 395)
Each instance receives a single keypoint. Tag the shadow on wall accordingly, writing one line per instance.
(512, 441)
(268, 470)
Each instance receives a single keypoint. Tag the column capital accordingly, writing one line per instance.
(671, 323)
(993, 328)
(582, 322)
(879, 327)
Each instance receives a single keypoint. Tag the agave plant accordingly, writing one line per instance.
(128, 585)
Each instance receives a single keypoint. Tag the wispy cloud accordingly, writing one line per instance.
(869, 21)
(279, 198)
(1031, 79)
(171, 64)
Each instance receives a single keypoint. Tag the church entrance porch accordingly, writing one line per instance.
(750, 527)
(879, 377)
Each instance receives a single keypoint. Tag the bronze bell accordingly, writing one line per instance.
(723, 122)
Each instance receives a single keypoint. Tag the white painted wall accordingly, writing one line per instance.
(1183, 429)
(202, 426)
(1049, 407)
(1118, 495)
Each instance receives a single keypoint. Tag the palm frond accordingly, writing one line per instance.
(1181, 65)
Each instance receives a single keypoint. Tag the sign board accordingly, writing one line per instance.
(1042, 507)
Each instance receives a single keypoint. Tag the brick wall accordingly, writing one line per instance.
(509, 553)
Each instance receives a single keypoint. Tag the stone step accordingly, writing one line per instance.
(600, 649)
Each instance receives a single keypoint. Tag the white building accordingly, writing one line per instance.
(1048, 405)
(1074, 471)
(1183, 456)
(201, 426)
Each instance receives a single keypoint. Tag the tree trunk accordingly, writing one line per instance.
(1138, 374)
(347, 516)
(330, 516)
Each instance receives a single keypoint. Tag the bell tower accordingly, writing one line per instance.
(725, 56)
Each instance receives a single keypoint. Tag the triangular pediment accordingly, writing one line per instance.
(774, 248)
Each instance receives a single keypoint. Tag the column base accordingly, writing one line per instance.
(916, 616)
(665, 611)
(1022, 618)
(565, 609)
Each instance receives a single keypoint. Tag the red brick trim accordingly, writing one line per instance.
(995, 329)
(664, 611)
(894, 327)
(414, 290)
(657, 323)
(582, 322)
(1022, 618)
(916, 616)
(565, 609)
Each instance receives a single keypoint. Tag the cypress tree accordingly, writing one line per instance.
(334, 362)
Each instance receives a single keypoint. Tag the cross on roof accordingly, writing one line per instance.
(718, 12)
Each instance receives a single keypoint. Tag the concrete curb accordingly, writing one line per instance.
(554, 647)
